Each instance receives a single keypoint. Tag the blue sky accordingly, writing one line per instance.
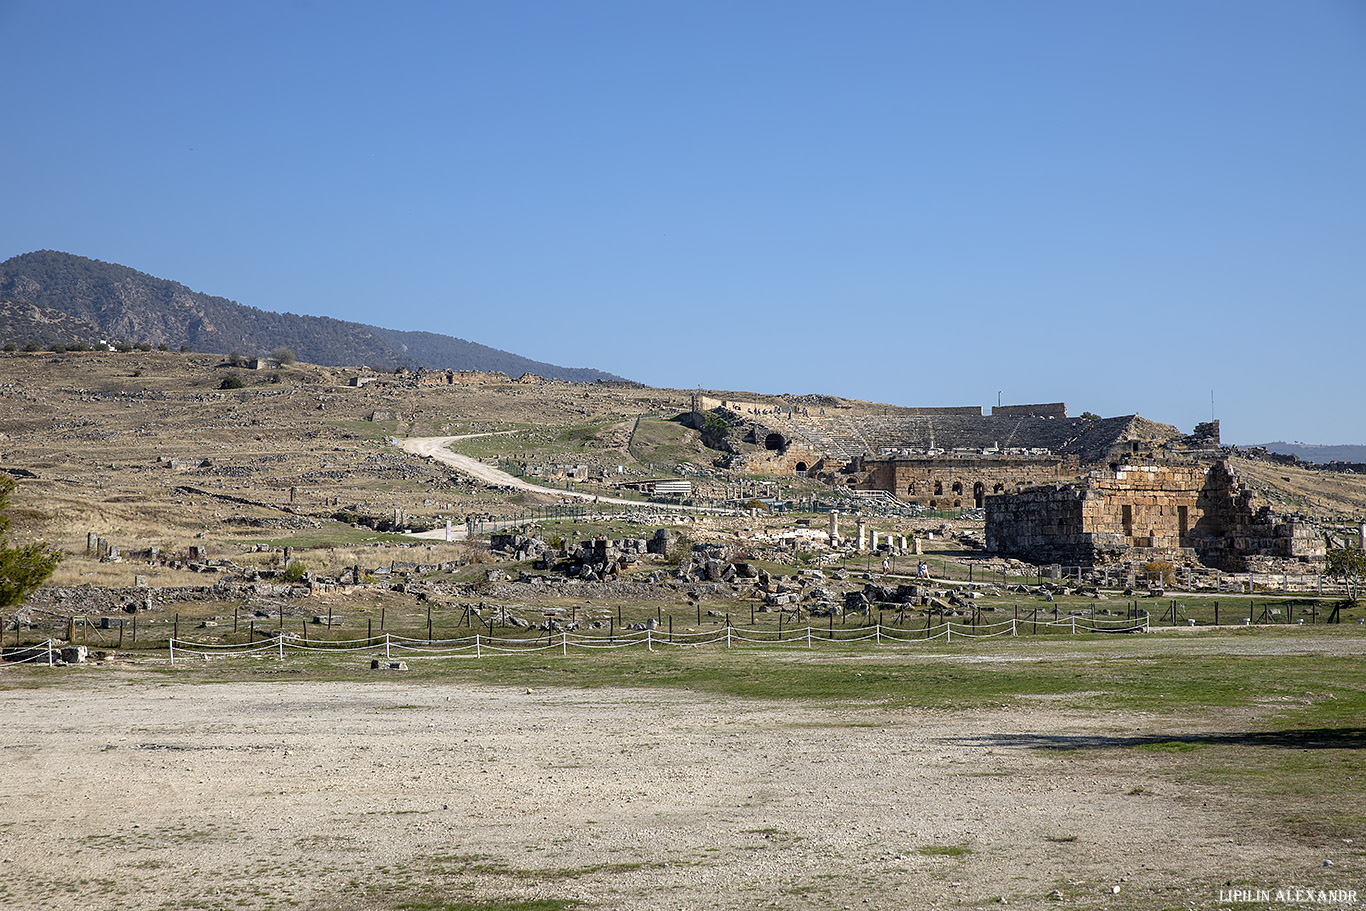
(1124, 206)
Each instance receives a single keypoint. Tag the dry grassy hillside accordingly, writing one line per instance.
(1327, 496)
(146, 450)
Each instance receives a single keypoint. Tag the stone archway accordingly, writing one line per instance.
(774, 442)
(801, 468)
(979, 493)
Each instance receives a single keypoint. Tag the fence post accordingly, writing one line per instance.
(1013, 621)
(727, 635)
(49, 652)
(386, 646)
(564, 642)
(808, 635)
(1074, 626)
(948, 631)
(281, 640)
(477, 652)
(877, 632)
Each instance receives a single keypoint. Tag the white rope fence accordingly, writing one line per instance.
(44, 653)
(392, 646)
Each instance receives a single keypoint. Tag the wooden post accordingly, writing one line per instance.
(234, 618)
(329, 617)
(1216, 613)
(135, 629)
(253, 630)
(381, 619)
(175, 629)
(120, 645)
(303, 622)
(369, 630)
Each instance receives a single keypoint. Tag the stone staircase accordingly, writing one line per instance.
(833, 437)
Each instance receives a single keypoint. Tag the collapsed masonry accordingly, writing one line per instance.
(1181, 512)
(1059, 489)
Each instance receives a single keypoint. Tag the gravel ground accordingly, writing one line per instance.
(129, 792)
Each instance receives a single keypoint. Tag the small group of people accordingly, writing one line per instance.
(922, 571)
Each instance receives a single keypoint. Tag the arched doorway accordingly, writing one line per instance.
(979, 493)
(775, 441)
(801, 468)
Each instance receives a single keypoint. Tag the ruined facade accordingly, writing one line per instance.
(953, 480)
(1180, 512)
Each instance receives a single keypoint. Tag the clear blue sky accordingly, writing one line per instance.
(1124, 206)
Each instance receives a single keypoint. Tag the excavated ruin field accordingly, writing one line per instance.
(1043, 772)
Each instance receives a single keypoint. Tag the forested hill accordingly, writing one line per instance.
(126, 305)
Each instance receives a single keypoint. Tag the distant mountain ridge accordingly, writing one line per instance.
(1318, 454)
(50, 296)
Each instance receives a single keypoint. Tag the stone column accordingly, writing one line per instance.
(862, 535)
(874, 541)
(834, 527)
(919, 548)
(1363, 536)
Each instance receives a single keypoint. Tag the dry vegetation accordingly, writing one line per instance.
(1044, 771)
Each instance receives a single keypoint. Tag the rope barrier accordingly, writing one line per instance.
(801, 637)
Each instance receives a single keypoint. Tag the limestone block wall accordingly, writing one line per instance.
(963, 479)
(1175, 512)
(1044, 523)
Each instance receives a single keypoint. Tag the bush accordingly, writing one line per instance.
(11, 347)
(143, 346)
(232, 382)
(1161, 571)
(33, 346)
(284, 355)
(295, 571)
(163, 347)
(57, 348)
(123, 347)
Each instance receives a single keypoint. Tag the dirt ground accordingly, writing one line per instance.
(125, 790)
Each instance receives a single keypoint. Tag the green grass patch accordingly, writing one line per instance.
(943, 850)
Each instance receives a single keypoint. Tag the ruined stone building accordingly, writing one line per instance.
(943, 457)
(1181, 513)
(1058, 489)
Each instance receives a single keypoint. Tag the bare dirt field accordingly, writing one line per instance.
(132, 787)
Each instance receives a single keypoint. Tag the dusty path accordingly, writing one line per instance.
(138, 792)
(438, 448)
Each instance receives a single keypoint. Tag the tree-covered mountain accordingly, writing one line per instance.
(122, 304)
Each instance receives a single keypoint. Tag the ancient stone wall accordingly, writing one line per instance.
(1047, 410)
(955, 480)
(1178, 513)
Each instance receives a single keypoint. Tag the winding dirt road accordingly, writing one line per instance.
(438, 448)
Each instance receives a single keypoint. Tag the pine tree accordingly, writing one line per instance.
(23, 568)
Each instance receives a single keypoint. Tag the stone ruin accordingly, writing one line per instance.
(1180, 512)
